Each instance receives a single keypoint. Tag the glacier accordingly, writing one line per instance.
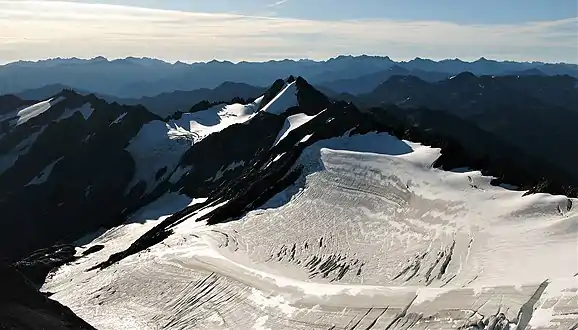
(370, 236)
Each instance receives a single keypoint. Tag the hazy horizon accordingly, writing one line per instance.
(261, 30)
(110, 59)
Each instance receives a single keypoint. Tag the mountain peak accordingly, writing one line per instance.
(463, 76)
(311, 101)
(270, 94)
(99, 59)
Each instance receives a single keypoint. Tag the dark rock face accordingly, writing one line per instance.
(91, 169)
(23, 307)
(37, 265)
(9, 103)
(272, 92)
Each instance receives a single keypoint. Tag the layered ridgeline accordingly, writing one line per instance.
(288, 211)
(137, 77)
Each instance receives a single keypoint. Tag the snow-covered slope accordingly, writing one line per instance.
(291, 123)
(197, 125)
(157, 149)
(369, 236)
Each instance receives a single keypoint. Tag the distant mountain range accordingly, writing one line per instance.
(138, 77)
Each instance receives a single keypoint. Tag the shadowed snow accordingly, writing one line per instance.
(32, 111)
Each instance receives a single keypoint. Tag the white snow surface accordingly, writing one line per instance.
(85, 110)
(198, 125)
(410, 241)
(32, 111)
(286, 98)
(291, 123)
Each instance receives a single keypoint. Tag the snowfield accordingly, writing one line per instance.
(159, 146)
(369, 237)
(291, 123)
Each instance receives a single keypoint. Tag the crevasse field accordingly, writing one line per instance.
(369, 237)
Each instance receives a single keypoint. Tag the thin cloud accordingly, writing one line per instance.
(41, 29)
(277, 3)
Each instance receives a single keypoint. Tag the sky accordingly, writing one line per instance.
(260, 30)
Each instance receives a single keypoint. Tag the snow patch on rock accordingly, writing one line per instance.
(291, 123)
(85, 110)
(8, 160)
(118, 119)
(32, 111)
(44, 174)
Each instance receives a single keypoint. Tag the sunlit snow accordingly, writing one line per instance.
(291, 123)
(370, 234)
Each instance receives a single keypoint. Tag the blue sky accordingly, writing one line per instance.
(460, 11)
(258, 30)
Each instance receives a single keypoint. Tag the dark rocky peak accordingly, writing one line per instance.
(180, 64)
(463, 77)
(10, 103)
(311, 101)
(98, 59)
(422, 60)
(217, 62)
(483, 60)
(67, 93)
(275, 88)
